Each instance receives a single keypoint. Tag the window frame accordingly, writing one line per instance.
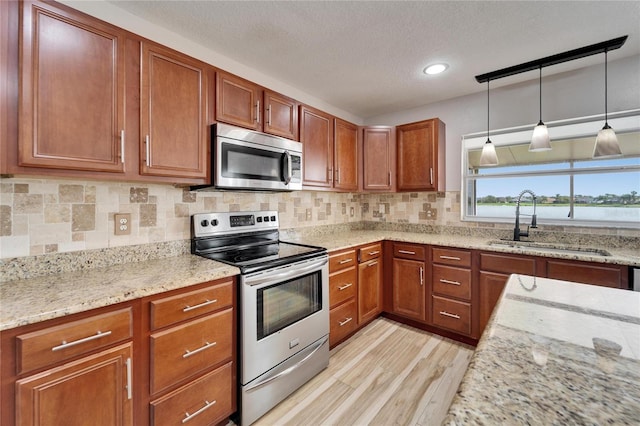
(622, 122)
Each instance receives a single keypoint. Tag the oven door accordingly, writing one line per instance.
(283, 311)
(247, 165)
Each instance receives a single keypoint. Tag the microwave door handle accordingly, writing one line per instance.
(289, 174)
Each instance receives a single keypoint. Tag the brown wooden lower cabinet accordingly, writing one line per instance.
(409, 289)
(490, 286)
(615, 276)
(343, 320)
(93, 390)
(452, 314)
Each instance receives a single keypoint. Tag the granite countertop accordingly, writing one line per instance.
(30, 300)
(41, 298)
(555, 352)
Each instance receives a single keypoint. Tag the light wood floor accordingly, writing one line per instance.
(386, 374)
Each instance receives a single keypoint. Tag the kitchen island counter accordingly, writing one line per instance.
(555, 352)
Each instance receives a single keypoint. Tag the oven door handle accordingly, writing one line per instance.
(270, 277)
(289, 370)
(289, 173)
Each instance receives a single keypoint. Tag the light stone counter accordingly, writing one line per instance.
(555, 352)
(37, 299)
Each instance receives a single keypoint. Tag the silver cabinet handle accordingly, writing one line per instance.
(129, 379)
(373, 253)
(269, 116)
(374, 263)
(258, 111)
(203, 304)
(447, 314)
(188, 416)
(338, 175)
(442, 280)
(146, 142)
(122, 146)
(421, 275)
(66, 344)
(389, 178)
(431, 175)
(189, 353)
(342, 262)
(406, 252)
(341, 323)
(450, 258)
(344, 287)
(329, 174)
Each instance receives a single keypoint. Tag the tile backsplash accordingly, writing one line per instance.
(40, 216)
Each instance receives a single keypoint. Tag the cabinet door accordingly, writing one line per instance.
(72, 91)
(419, 167)
(173, 114)
(346, 156)
(94, 390)
(409, 294)
(378, 153)
(316, 135)
(490, 289)
(238, 101)
(369, 290)
(281, 115)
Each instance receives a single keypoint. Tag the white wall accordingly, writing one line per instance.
(567, 95)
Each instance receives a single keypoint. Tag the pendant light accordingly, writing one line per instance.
(606, 141)
(540, 140)
(488, 156)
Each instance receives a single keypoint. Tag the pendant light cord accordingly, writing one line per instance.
(605, 87)
(540, 94)
(488, 110)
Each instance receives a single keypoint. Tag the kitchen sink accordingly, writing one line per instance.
(549, 247)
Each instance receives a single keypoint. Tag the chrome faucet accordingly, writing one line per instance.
(534, 220)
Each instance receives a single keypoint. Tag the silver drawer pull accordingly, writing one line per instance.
(66, 344)
(450, 258)
(191, 308)
(373, 253)
(442, 280)
(345, 321)
(188, 353)
(188, 416)
(343, 287)
(406, 252)
(374, 263)
(342, 262)
(447, 314)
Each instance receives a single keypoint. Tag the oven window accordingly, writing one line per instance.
(286, 303)
(250, 163)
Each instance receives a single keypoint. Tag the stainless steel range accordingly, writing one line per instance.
(284, 304)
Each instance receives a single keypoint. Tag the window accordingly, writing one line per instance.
(570, 186)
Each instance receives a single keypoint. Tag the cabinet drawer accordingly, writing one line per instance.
(370, 252)
(184, 350)
(205, 401)
(342, 286)
(171, 310)
(342, 260)
(452, 315)
(453, 257)
(408, 251)
(55, 344)
(343, 321)
(507, 264)
(454, 282)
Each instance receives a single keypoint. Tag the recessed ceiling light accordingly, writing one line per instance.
(435, 69)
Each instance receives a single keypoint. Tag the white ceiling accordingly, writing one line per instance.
(367, 57)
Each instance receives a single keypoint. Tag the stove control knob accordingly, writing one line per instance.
(273, 218)
(214, 222)
(266, 218)
(204, 223)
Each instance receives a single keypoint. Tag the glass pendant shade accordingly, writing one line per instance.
(540, 140)
(606, 143)
(489, 156)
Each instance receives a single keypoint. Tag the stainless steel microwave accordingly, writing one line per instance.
(248, 160)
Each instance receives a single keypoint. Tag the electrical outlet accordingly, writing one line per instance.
(308, 214)
(382, 209)
(122, 223)
(352, 211)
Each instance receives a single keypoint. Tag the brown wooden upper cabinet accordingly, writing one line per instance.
(173, 113)
(245, 104)
(378, 150)
(345, 156)
(420, 150)
(72, 88)
(316, 135)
